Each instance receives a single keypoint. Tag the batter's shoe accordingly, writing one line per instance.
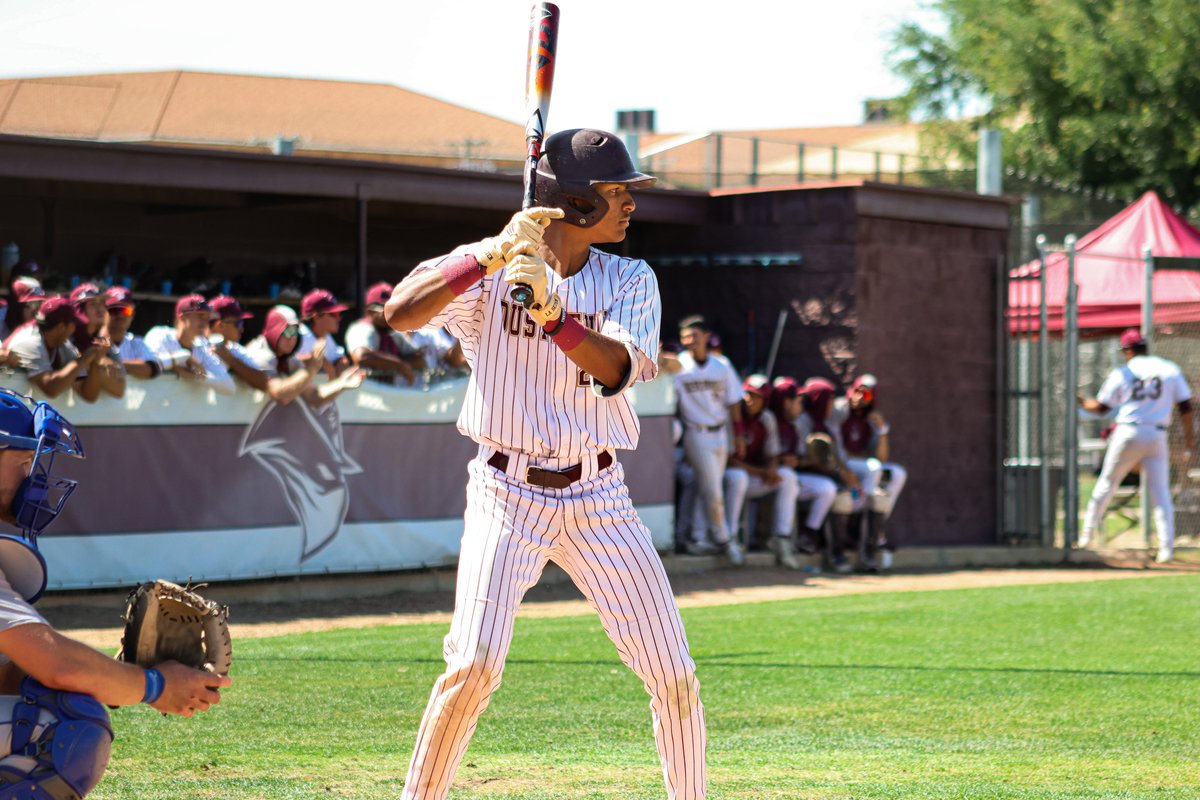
(1164, 557)
(1085, 539)
(702, 549)
(885, 559)
(733, 553)
(785, 556)
(841, 566)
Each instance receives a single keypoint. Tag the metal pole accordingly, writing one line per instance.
(360, 249)
(1046, 509)
(1148, 335)
(833, 163)
(719, 166)
(800, 164)
(783, 315)
(754, 161)
(1071, 437)
(1002, 392)
(878, 165)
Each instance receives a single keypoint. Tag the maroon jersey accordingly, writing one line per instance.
(857, 435)
(789, 439)
(761, 437)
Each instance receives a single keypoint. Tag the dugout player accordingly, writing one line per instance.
(547, 404)
(709, 396)
(55, 735)
(866, 436)
(1143, 391)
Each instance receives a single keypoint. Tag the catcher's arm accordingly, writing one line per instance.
(67, 665)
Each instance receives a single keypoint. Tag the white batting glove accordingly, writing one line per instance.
(525, 229)
(529, 269)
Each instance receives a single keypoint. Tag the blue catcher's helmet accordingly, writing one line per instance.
(29, 425)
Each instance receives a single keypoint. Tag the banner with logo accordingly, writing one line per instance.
(182, 483)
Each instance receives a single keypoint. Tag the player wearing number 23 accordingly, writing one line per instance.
(1143, 391)
(547, 405)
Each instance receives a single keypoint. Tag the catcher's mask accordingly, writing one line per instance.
(29, 425)
(573, 162)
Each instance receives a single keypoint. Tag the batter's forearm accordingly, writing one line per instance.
(421, 295)
(605, 359)
(416, 300)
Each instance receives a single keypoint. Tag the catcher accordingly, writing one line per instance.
(55, 735)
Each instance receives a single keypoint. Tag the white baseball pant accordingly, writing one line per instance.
(591, 530)
(740, 485)
(687, 502)
(1128, 446)
(822, 491)
(870, 472)
(707, 451)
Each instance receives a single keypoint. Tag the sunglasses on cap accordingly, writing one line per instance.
(291, 330)
(121, 311)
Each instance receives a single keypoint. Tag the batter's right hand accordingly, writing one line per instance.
(525, 229)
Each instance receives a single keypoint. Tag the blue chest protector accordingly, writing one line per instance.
(71, 752)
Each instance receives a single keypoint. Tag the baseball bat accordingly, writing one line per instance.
(539, 83)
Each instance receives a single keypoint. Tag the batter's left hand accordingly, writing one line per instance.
(528, 268)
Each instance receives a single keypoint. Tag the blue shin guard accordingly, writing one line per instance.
(69, 752)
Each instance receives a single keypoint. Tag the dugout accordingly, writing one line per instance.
(896, 280)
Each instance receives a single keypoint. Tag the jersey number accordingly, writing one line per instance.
(1142, 390)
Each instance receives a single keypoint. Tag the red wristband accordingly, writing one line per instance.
(568, 334)
(461, 272)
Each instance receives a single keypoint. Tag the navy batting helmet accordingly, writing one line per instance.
(573, 162)
(29, 425)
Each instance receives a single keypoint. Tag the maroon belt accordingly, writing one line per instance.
(549, 478)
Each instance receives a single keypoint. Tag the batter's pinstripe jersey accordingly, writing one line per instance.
(525, 395)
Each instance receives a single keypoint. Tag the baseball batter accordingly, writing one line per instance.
(1143, 391)
(709, 396)
(546, 403)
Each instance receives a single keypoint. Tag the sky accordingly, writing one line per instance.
(774, 64)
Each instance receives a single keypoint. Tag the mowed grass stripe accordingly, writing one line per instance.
(1051, 691)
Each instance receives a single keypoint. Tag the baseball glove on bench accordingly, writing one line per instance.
(168, 622)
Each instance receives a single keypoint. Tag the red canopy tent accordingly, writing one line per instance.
(1110, 273)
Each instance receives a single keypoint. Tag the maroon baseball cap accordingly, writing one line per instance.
(758, 384)
(225, 307)
(785, 386)
(190, 303)
(1132, 338)
(320, 301)
(379, 294)
(57, 310)
(84, 292)
(118, 297)
(28, 290)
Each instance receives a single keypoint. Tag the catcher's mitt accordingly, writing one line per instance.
(822, 457)
(165, 621)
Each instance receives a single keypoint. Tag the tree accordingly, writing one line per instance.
(1104, 94)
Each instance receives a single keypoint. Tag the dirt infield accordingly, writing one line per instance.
(97, 623)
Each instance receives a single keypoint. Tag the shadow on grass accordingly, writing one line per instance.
(721, 662)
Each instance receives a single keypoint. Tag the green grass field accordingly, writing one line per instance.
(1087, 690)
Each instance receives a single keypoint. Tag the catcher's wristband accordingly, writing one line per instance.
(567, 332)
(461, 272)
(155, 684)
